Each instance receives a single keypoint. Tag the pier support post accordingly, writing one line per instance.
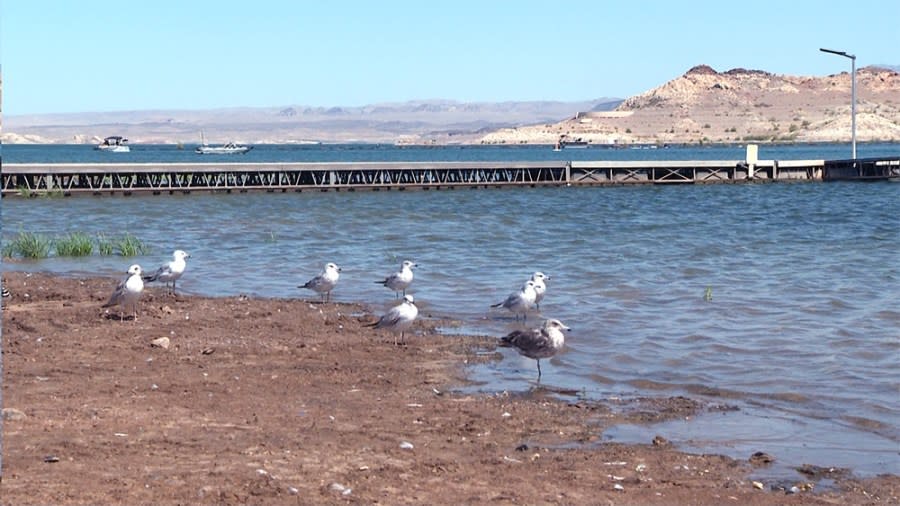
(752, 159)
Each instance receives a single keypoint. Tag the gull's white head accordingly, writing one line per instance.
(553, 323)
(408, 264)
(180, 254)
(539, 275)
(408, 299)
(135, 270)
(331, 266)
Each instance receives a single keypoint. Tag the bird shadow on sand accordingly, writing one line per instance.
(119, 318)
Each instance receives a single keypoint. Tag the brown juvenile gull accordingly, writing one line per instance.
(325, 282)
(398, 318)
(128, 291)
(542, 342)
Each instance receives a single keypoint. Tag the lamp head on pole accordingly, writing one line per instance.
(839, 53)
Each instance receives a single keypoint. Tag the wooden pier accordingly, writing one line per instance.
(170, 178)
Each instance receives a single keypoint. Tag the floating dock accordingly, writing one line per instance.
(28, 179)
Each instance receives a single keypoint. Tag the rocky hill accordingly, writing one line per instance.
(705, 106)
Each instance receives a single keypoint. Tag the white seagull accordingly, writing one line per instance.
(170, 271)
(325, 282)
(128, 291)
(520, 301)
(539, 287)
(398, 318)
(400, 281)
(542, 342)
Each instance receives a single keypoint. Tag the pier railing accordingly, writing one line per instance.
(160, 178)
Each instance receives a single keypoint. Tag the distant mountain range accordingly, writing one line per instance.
(419, 121)
(701, 106)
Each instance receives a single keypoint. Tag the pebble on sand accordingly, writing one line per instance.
(160, 342)
(13, 414)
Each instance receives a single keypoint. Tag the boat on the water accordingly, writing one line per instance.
(229, 148)
(114, 144)
(566, 142)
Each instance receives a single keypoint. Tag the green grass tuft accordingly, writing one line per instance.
(130, 246)
(105, 246)
(31, 245)
(75, 244)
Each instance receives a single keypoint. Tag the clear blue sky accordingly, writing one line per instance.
(87, 55)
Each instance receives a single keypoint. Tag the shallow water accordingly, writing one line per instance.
(801, 332)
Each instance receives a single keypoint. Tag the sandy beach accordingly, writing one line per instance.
(290, 401)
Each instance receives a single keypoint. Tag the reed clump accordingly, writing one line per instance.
(130, 246)
(105, 245)
(30, 245)
(74, 244)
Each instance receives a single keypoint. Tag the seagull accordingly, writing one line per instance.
(539, 287)
(400, 281)
(398, 318)
(170, 271)
(128, 291)
(325, 282)
(521, 301)
(542, 342)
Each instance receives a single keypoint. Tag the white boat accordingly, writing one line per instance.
(565, 142)
(114, 144)
(229, 148)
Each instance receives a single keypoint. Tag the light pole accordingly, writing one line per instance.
(852, 92)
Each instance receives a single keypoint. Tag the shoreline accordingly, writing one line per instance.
(550, 142)
(260, 400)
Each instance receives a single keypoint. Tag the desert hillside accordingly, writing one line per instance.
(736, 106)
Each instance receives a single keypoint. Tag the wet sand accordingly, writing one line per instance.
(275, 401)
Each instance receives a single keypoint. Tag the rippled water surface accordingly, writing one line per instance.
(801, 332)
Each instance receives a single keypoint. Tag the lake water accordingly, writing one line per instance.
(802, 332)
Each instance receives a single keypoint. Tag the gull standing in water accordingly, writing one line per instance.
(539, 287)
(170, 271)
(325, 282)
(521, 301)
(398, 318)
(128, 291)
(400, 281)
(542, 342)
